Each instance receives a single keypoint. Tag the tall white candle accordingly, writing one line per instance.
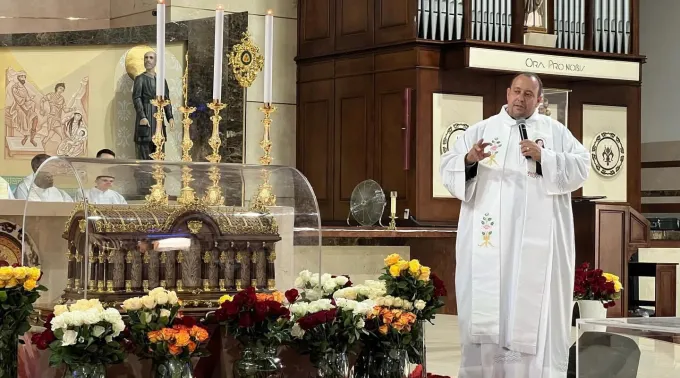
(160, 48)
(219, 42)
(268, 56)
(393, 202)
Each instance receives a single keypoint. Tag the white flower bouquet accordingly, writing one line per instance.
(328, 327)
(152, 312)
(86, 335)
(368, 290)
(313, 287)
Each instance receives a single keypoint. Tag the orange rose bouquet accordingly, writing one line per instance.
(391, 337)
(172, 348)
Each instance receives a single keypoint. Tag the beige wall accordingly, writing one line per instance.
(33, 16)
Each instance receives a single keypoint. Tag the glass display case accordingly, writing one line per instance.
(201, 229)
(556, 104)
(628, 347)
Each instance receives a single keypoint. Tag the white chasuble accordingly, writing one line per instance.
(515, 247)
(102, 197)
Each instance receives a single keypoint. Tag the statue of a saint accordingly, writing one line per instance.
(534, 13)
(143, 91)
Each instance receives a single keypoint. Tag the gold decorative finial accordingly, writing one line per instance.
(246, 61)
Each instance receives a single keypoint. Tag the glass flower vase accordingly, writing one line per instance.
(333, 365)
(417, 356)
(393, 364)
(86, 371)
(372, 363)
(258, 362)
(172, 368)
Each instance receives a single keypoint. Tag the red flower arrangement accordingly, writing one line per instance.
(418, 373)
(594, 284)
(44, 339)
(439, 287)
(250, 319)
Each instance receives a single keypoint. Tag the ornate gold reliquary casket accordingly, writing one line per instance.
(113, 250)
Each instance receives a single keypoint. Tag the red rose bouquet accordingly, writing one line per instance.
(593, 284)
(252, 320)
(328, 330)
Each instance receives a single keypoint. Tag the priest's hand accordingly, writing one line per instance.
(477, 153)
(531, 149)
(144, 122)
(172, 124)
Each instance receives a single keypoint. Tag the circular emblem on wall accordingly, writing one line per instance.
(10, 245)
(607, 154)
(452, 133)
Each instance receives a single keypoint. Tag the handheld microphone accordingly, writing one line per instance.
(521, 123)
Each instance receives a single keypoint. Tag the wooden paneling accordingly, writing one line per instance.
(462, 82)
(354, 24)
(315, 140)
(395, 20)
(589, 93)
(665, 289)
(316, 27)
(389, 144)
(353, 161)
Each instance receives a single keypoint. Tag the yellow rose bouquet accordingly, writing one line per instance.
(19, 289)
(413, 282)
(413, 285)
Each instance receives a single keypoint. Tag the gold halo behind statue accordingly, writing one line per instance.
(134, 60)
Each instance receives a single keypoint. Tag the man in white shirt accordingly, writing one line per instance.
(42, 188)
(5, 190)
(515, 247)
(102, 194)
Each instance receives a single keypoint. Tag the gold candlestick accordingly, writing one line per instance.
(186, 114)
(187, 195)
(158, 138)
(215, 142)
(266, 142)
(213, 196)
(265, 193)
(158, 196)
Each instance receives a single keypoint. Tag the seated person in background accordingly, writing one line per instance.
(43, 185)
(106, 154)
(5, 190)
(102, 194)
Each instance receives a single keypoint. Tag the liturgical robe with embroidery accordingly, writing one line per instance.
(515, 254)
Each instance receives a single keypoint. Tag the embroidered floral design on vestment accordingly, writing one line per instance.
(493, 150)
(487, 228)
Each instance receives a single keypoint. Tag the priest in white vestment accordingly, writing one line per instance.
(40, 187)
(515, 245)
(102, 194)
(5, 190)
